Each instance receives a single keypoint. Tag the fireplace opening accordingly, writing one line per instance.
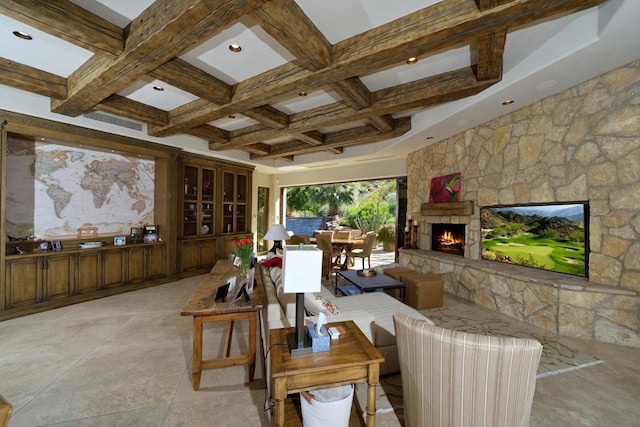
(448, 238)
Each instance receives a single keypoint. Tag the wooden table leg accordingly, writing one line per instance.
(251, 352)
(227, 342)
(196, 369)
(279, 393)
(372, 382)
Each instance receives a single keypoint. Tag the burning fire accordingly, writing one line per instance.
(446, 239)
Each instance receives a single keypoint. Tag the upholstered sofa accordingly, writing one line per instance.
(371, 312)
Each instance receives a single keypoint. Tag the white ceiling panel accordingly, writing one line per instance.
(119, 12)
(425, 67)
(313, 99)
(44, 52)
(171, 97)
(340, 19)
(259, 53)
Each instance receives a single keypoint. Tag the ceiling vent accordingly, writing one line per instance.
(113, 120)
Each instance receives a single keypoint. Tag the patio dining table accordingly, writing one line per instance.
(344, 245)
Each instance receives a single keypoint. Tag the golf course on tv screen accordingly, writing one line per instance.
(547, 237)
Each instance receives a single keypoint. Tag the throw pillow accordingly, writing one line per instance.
(275, 261)
(315, 303)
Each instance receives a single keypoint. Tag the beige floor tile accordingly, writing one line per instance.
(125, 360)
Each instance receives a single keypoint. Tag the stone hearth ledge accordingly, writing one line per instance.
(559, 303)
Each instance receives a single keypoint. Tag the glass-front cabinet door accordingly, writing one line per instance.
(235, 194)
(198, 201)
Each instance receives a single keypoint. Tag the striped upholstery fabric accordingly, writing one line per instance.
(452, 378)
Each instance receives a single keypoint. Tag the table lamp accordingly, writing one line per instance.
(301, 272)
(277, 233)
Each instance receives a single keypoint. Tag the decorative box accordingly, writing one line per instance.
(319, 342)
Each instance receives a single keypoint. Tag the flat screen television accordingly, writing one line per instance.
(553, 237)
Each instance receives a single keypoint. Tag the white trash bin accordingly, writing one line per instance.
(334, 412)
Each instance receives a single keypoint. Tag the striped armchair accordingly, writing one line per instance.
(455, 379)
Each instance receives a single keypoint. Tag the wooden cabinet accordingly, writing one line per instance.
(197, 255)
(154, 262)
(23, 279)
(235, 202)
(113, 267)
(34, 279)
(60, 278)
(88, 271)
(198, 205)
(58, 272)
(214, 210)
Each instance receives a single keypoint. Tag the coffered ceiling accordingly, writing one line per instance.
(314, 81)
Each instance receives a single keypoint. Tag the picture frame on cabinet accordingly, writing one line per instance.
(44, 246)
(119, 241)
(56, 245)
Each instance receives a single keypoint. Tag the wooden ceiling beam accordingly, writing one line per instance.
(185, 76)
(27, 78)
(213, 134)
(444, 25)
(311, 138)
(490, 56)
(259, 149)
(269, 116)
(161, 32)
(354, 92)
(288, 25)
(484, 5)
(124, 107)
(382, 123)
(68, 21)
(434, 90)
(344, 138)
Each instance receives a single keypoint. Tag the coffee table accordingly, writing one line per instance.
(370, 283)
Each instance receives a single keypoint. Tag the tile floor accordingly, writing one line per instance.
(125, 361)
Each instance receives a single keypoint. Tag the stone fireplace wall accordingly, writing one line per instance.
(581, 144)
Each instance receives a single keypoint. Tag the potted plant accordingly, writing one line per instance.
(387, 235)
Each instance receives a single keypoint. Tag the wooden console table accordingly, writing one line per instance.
(204, 309)
(351, 359)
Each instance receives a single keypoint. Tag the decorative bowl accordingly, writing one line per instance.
(89, 245)
(366, 273)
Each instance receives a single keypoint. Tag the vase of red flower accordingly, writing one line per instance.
(243, 249)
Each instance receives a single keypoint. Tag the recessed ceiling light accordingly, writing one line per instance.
(22, 35)
(412, 60)
(158, 88)
(508, 102)
(233, 47)
(302, 93)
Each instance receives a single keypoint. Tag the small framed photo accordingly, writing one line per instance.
(56, 245)
(119, 241)
(44, 246)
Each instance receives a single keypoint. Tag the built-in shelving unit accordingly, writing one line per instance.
(215, 208)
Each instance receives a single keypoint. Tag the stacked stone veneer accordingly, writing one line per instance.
(580, 145)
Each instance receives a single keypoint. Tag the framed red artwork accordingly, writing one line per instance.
(445, 188)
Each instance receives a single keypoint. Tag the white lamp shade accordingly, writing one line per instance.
(301, 269)
(277, 232)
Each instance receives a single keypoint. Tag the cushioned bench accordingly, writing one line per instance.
(425, 290)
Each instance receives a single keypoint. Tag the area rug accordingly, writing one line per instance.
(557, 357)
(388, 395)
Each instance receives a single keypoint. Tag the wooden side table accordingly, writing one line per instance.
(204, 309)
(351, 359)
